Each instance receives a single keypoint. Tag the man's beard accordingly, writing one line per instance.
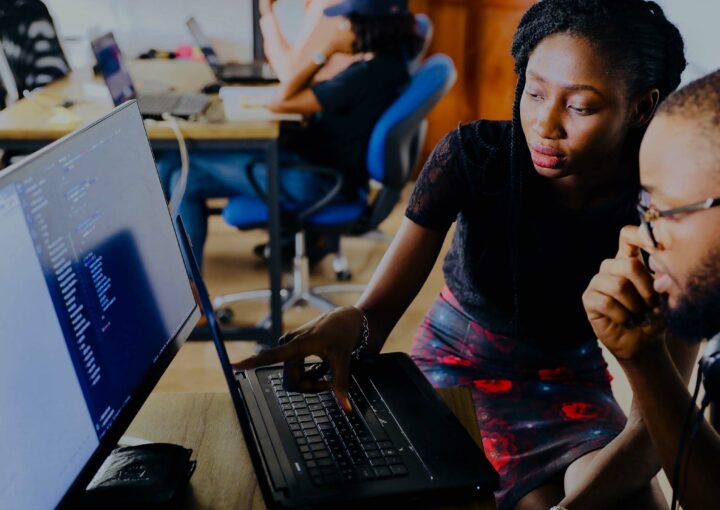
(697, 314)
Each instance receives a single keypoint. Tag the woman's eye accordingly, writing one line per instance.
(533, 95)
(581, 109)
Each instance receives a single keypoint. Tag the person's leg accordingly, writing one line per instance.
(543, 497)
(212, 175)
(168, 163)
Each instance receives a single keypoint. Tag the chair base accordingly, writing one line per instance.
(301, 294)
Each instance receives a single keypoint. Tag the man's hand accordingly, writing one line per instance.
(620, 301)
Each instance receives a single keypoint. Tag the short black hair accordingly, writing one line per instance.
(635, 39)
(394, 33)
(699, 100)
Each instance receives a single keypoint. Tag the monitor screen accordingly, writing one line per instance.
(113, 69)
(94, 302)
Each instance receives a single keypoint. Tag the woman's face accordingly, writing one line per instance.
(574, 111)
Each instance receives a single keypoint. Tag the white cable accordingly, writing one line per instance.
(178, 192)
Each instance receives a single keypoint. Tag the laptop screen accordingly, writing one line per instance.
(204, 44)
(113, 68)
(94, 302)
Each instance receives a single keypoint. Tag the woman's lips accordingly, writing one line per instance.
(545, 157)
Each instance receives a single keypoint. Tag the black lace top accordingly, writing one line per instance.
(466, 179)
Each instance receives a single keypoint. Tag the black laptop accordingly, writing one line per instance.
(401, 442)
(117, 78)
(230, 72)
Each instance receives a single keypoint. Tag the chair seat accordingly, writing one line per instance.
(250, 212)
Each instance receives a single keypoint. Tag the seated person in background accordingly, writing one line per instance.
(30, 44)
(316, 30)
(342, 111)
(538, 204)
(679, 166)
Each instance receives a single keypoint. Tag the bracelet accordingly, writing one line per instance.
(362, 347)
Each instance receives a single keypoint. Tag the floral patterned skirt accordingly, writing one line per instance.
(537, 410)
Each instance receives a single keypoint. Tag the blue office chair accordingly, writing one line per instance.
(393, 152)
(425, 30)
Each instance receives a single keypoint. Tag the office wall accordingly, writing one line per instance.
(697, 21)
(143, 24)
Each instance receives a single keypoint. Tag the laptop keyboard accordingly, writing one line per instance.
(337, 447)
(187, 104)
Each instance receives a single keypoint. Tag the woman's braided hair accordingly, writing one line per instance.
(638, 43)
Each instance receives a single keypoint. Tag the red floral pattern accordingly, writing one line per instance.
(493, 385)
(580, 411)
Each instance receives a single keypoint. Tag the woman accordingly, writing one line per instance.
(537, 203)
(342, 110)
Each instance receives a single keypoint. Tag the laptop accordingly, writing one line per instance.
(230, 72)
(117, 78)
(400, 444)
(95, 302)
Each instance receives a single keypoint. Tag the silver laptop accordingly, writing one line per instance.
(117, 78)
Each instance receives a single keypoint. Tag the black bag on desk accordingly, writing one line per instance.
(148, 476)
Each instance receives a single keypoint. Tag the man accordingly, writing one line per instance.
(631, 306)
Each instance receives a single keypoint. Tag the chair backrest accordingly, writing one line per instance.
(397, 138)
(30, 43)
(425, 30)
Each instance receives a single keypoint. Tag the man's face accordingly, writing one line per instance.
(679, 166)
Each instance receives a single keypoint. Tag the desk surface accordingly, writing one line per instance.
(43, 118)
(206, 422)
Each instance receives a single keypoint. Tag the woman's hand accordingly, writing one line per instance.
(332, 336)
(620, 301)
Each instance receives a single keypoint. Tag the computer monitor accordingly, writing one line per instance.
(95, 301)
(113, 68)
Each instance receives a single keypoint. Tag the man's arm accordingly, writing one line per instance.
(663, 400)
(628, 463)
(616, 297)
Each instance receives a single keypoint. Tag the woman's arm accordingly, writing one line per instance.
(628, 463)
(334, 335)
(276, 47)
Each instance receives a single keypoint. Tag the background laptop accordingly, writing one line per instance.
(94, 303)
(230, 72)
(114, 70)
(401, 442)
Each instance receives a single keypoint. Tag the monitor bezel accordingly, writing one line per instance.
(148, 383)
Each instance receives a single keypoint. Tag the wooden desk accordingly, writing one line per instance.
(206, 422)
(29, 125)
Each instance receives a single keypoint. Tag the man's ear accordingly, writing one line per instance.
(643, 108)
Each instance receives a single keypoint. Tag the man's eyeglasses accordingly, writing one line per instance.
(649, 213)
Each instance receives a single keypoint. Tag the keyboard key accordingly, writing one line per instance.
(322, 454)
(301, 441)
(315, 439)
(298, 434)
(305, 425)
(318, 480)
(328, 470)
(294, 427)
(389, 452)
(385, 444)
(324, 462)
(398, 469)
(370, 445)
(316, 447)
(364, 472)
(308, 456)
(314, 471)
(383, 472)
(302, 419)
(373, 454)
(377, 462)
(304, 448)
(291, 419)
(393, 460)
(310, 463)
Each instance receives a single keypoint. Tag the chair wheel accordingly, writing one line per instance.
(224, 315)
(343, 276)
